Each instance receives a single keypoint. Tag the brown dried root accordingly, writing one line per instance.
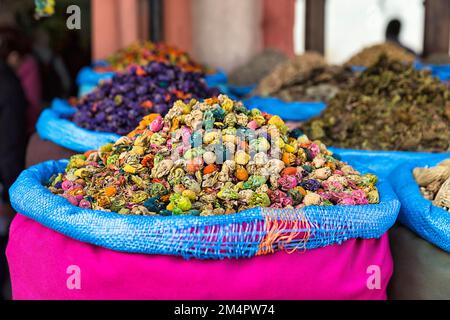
(443, 196)
(426, 176)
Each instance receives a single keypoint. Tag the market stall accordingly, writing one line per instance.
(226, 150)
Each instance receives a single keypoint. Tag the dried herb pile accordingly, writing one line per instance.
(370, 55)
(390, 106)
(288, 71)
(438, 58)
(256, 68)
(319, 84)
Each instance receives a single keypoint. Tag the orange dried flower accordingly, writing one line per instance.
(290, 171)
(110, 191)
(147, 161)
(288, 158)
(241, 174)
(210, 168)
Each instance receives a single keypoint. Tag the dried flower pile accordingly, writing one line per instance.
(211, 158)
(118, 105)
(142, 53)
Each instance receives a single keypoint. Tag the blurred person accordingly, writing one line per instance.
(75, 56)
(393, 30)
(13, 105)
(56, 80)
(16, 51)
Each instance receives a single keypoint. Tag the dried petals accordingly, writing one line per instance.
(119, 104)
(204, 158)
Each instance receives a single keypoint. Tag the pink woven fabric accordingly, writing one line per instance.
(39, 259)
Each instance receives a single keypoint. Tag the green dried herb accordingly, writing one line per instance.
(256, 68)
(319, 84)
(390, 106)
(370, 55)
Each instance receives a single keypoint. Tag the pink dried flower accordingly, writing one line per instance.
(186, 135)
(84, 204)
(287, 182)
(315, 150)
(280, 198)
(156, 124)
(252, 125)
(67, 185)
(73, 200)
(333, 186)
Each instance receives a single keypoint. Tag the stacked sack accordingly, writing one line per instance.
(209, 180)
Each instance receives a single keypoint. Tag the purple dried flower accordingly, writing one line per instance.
(311, 185)
(119, 104)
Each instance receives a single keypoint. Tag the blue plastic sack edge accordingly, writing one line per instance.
(417, 213)
(53, 127)
(175, 235)
(289, 111)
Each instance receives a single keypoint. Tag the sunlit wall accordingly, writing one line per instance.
(351, 25)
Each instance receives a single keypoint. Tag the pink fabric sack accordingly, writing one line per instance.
(47, 265)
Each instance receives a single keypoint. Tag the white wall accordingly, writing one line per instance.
(351, 25)
(299, 27)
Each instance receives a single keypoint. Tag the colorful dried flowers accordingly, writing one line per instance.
(118, 105)
(194, 168)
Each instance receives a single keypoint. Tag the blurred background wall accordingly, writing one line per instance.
(220, 33)
(345, 36)
(227, 33)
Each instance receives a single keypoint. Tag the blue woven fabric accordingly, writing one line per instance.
(384, 162)
(229, 236)
(88, 79)
(442, 71)
(215, 79)
(358, 68)
(62, 107)
(417, 213)
(224, 89)
(443, 75)
(241, 91)
(235, 92)
(52, 126)
(289, 111)
(85, 89)
(88, 75)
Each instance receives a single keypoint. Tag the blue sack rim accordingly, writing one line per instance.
(158, 235)
(88, 76)
(383, 162)
(288, 111)
(428, 221)
(53, 127)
